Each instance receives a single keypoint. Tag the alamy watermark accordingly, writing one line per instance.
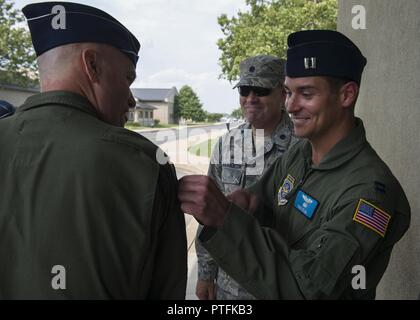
(359, 280)
(58, 282)
(59, 20)
(238, 147)
(359, 19)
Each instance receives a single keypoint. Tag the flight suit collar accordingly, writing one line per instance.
(64, 98)
(342, 152)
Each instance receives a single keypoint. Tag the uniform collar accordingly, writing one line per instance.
(280, 137)
(64, 98)
(283, 132)
(343, 151)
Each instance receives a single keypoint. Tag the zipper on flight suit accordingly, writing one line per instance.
(307, 171)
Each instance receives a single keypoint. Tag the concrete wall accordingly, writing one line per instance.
(389, 104)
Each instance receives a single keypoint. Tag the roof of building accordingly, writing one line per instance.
(144, 106)
(151, 94)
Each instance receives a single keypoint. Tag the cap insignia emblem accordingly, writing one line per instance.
(310, 63)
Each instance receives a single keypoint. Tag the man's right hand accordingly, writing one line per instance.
(206, 290)
(200, 197)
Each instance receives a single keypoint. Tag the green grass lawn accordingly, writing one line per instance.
(135, 126)
(204, 148)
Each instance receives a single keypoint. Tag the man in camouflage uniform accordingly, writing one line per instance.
(262, 102)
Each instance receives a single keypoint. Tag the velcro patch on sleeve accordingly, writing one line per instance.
(372, 217)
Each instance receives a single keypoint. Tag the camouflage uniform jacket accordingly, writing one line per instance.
(230, 177)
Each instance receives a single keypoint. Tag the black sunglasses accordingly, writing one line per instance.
(244, 91)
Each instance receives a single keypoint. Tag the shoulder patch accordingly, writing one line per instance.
(285, 188)
(372, 217)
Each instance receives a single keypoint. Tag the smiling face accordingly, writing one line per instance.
(314, 107)
(263, 112)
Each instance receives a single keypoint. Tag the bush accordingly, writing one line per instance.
(156, 122)
(132, 124)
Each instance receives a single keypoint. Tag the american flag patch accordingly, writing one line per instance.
(372, 217)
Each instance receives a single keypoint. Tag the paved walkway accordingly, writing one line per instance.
(190, 164)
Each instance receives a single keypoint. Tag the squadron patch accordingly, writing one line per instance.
(372, 217)
(286, 187)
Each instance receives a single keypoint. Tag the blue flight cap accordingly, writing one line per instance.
(6, 109)
(53, 24)
(323, 53)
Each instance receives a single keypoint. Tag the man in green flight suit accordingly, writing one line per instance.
(86, 212)
(329, 208)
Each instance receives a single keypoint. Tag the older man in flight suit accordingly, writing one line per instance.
(328, 205)
(86, 212)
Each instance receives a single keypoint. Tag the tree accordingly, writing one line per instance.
(188, 105)
(214, 117)
(17, 57)
(264, 29)
(237, 113)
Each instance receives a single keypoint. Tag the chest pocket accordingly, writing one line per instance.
(232, 175)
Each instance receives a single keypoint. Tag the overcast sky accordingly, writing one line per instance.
(178, 44)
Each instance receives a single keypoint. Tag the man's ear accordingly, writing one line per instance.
(349, 93)
(91, 66)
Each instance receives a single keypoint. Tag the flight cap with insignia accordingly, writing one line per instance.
(261, 71)
(53, 24)
(6, 109)
(323, 53)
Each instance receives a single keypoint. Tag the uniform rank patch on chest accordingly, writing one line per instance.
(306, 204)
(372, 217)
(285, 188)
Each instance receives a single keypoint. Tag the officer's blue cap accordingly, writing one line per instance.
(81, 24)
(323, 53)
(6, 109)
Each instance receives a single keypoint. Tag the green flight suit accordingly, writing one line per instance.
(288, 252)
(90, 197)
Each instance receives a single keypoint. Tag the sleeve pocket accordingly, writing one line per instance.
(319, 268)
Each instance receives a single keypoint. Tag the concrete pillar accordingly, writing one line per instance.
(389, 104)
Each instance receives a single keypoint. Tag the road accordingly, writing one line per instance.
(162, 136)
(170, 135)
(157, 136)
